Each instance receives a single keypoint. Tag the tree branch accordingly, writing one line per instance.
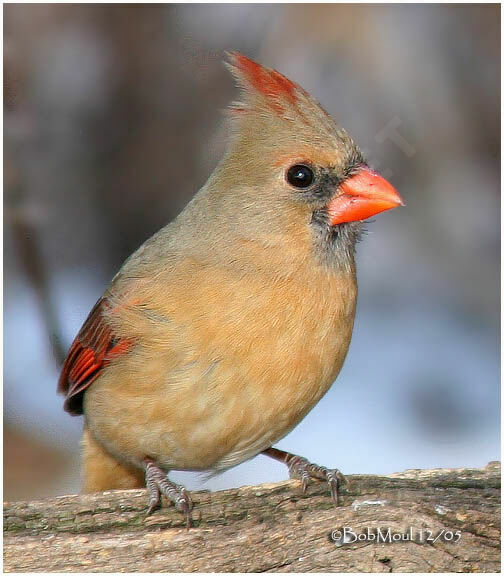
(271, 527)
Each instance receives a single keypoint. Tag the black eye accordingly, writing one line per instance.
(300, 176)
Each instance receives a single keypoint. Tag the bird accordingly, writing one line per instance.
(227, 326)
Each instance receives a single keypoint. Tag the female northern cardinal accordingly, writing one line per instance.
(223, 330)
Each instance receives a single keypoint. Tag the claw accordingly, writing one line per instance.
(153, 506)
(332, 480)
(184, 504)
(298, 468)
(154, 496)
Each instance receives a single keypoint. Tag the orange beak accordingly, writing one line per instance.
(362, 195)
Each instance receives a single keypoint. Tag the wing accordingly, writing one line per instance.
(93, 348)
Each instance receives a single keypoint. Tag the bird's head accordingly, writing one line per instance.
(291, 169)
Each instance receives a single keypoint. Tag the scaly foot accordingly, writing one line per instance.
(157, 483)
(304, 470)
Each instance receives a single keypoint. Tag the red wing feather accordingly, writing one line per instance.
(93, 347)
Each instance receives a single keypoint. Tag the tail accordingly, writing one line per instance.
(103, 472)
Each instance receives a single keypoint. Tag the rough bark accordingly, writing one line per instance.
(269, 528)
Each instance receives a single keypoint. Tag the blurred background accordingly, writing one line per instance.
(113, 120)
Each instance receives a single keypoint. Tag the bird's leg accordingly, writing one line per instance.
(304, 470)
(157, 483)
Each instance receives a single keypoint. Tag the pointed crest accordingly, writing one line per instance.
(266, 91)
(264, 82)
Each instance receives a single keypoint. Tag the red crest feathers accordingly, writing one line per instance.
(264, 81)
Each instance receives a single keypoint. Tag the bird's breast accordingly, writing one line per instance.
(237, 364)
